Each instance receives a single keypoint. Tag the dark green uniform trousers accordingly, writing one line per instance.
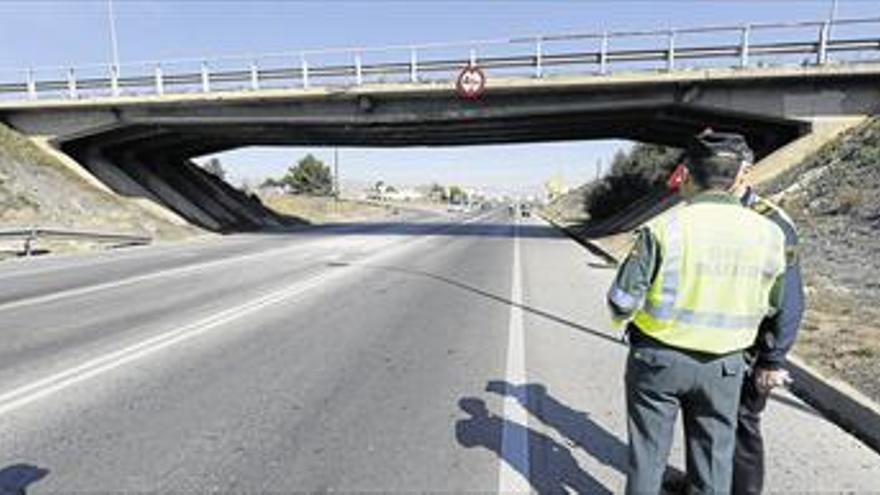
(660, 380)
(748, 458)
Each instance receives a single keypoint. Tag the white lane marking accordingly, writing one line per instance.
(20, 267)
(183, 270)
(133, 280)
(44, 387)
(80, 291)
(41, 388)
(75, 261)
(514, 439)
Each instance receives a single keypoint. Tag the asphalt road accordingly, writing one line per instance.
(427, 354)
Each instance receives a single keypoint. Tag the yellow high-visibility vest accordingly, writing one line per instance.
(719, 262)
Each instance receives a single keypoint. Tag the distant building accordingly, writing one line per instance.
(385, 192)
(554, 188)
(404, 195)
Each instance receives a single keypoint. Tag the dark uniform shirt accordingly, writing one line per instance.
(777, 332)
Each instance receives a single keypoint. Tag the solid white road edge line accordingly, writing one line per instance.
(514, 432)
(56, 382)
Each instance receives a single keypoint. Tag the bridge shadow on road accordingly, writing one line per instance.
(15, 479)
(434, 228)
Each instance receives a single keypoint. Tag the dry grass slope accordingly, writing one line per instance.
(37, 190)
(322, 209)
(834, 198)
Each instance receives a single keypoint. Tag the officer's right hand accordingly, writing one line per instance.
(768, 379)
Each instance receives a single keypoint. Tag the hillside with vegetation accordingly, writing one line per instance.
(37, 190)
(635, 174)
(635, 186)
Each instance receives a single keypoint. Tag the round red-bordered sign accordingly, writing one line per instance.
(471, 82)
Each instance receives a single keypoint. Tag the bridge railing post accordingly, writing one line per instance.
(413, 65)
(744, 46)
(539, 57)
(31, 84)
(304, 68)
(159, 80)
(255, 76)
(358, 69)
(114, 80)
(822, 53)
(603, 54)
(206, 77)
(670, 54)
(71, 83)
(29, 241)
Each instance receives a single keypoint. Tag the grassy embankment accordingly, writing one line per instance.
(324, 209)
(37, 190)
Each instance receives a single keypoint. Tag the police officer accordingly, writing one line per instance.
(776, 336)
(695, 288)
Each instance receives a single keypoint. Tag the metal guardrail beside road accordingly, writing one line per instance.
(30, 236)
(534, 56)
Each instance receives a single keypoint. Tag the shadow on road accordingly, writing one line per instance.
(570, 423)
(416, 229)
(550, 467)
(15, 479)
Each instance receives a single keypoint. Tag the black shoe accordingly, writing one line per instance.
(675, 482)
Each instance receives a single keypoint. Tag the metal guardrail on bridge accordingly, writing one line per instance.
(535, 56)
(30, 236)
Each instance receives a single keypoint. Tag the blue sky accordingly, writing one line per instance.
(76, 33)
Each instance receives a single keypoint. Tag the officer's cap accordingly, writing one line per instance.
(719, 146)
(715, 158)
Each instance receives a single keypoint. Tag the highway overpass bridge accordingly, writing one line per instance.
(138, 134)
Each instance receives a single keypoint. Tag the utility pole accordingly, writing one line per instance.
(831, 16)
(114, 44)
(336, 190)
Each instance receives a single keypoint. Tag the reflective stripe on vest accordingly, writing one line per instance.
(624, 300)
(672, 259)
(718, 265)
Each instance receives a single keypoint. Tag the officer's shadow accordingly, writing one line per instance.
(15, 479)
(551, 466)
(556, 471)
(574, 425)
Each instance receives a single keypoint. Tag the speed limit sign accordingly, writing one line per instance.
(471, 82)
